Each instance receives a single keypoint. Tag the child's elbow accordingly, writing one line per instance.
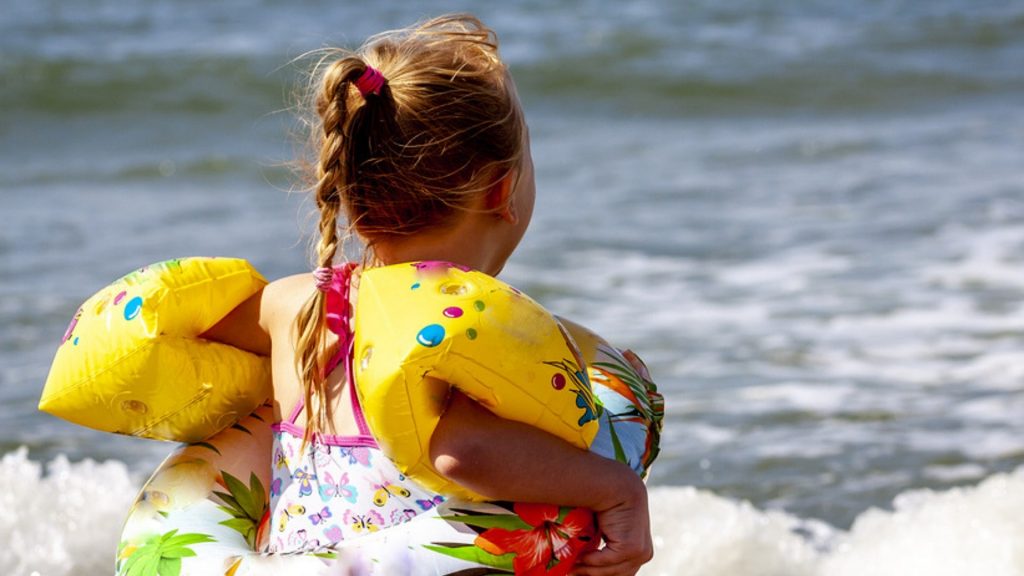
(464, 459)
(455, 451)
(453, 454)
(448, 465)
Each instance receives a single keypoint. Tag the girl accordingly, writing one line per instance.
(424, 151)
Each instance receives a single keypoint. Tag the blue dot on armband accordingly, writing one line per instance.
(431, 336)
(132, 308)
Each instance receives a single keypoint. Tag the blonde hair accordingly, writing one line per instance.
(443, 128)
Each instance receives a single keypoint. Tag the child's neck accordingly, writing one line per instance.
(464, 244)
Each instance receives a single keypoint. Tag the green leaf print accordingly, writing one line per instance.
(620, 454)
(631, 379)
(471, 553)
(326, 555)
(650, 404)
(240, 525)
(506, 521)
(179, 553)
(169, 567)
(245, 504)
(206, 445)
(182, 540)
(161, 555)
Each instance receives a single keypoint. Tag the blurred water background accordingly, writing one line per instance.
(807, 216)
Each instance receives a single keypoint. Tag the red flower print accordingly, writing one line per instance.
(551, 547)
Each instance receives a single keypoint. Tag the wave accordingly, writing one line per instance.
(64, 522)
(73, 86)
(141, 170)
(664, 62)
(67, 520)
(588, 83)
(969, 530)
(815, 87)
(727, 59)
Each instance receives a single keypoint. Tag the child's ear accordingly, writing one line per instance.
(501, 198)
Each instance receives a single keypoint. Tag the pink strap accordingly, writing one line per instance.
(339, 311)
(335, 283)
(357, 409)
(296, 410)
(338, 316)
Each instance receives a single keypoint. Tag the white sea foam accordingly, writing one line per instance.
(991, 259)
(64, 522)
(975, 530)
(67, 521)
(955, 473)
(786, 272)
(699, 534)
(822, 399)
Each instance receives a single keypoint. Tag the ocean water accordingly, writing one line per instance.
(807, 216)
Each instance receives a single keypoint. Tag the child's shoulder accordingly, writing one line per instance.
(284, 297)
(255, 322)
(294, 285)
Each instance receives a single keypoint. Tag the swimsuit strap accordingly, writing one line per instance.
(357, 410)
(339, 312)
(296, 410)
(339, 309)
(337, 318)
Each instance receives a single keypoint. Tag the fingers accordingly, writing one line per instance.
(617, 570)
(626, 530)
(606, 562)
(612, 561)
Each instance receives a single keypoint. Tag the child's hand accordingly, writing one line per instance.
(626, 528)
(508, 460)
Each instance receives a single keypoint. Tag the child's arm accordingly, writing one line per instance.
(507, 460)
(274, 308)
(244, 327)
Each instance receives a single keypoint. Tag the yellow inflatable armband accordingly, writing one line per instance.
(131, 361)
(420, 327)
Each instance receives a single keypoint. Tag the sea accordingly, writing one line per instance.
(807, 216)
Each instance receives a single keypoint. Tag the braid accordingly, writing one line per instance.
(334, 175)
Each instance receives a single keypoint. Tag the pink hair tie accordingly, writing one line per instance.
(324, 277)
(370, 82)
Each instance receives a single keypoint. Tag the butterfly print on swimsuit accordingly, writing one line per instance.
(369, 522)
(400, 516)
(305, 480)
(356, 455)
(341, 489)
(428, 504)
(290, 511)
(321, 516)
(280, 460)
(386, 489)
(301, 540)
(334, 533)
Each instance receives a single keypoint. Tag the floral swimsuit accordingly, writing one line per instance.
(339, 487)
